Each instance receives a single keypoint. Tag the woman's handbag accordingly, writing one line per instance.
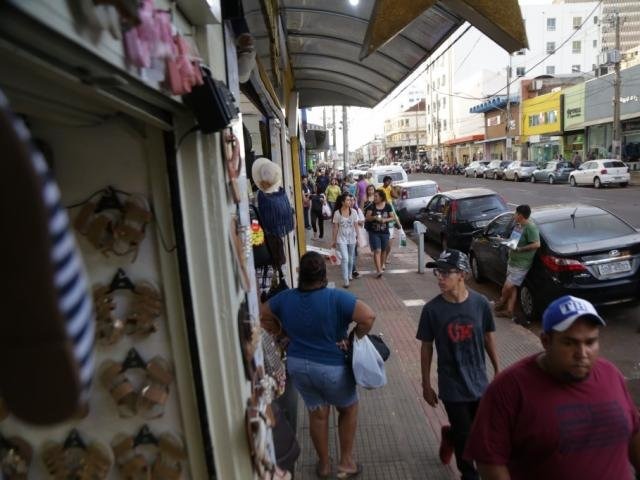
(278, 284)
(274, 361)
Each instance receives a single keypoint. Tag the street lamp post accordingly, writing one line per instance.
(508, 151)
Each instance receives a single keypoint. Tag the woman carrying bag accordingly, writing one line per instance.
(345, 235)
(315, 319)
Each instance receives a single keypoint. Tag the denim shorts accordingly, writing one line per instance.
(378, 241)
(321, 385)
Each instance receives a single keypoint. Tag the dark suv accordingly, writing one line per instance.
(452, 217)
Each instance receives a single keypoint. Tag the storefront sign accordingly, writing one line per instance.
(493, 121)
(574, 112)
(632, 98)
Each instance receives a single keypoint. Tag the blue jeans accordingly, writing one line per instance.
(348, 253)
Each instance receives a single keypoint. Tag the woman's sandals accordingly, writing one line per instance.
(112, 227)
(140, 321)
(15, 458)
(145, 397)
(135, 463)
(92, 462)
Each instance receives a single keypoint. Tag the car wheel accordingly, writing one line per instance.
(475, 174)
(529, 302)
(495, 176)
(572, 181)
(624, 184)
(475, 269)
(466, 174)
(532, 179)
(597, 183)
(551, 180)
(515, 177)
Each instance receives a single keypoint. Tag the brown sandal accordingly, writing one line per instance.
(15, 458)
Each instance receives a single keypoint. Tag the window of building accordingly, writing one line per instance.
(576, 46)
(520, 71)
(443, 80)
(444, 124)
(595, 19)
(577, 21)
(575, 68)
(595, 43)
(551, 47)
(593, 67)
(444, 102)
(551, 24)
(551, 70)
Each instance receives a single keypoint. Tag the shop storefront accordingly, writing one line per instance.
(574, 108)
(495, 122)
(110, 108)
(541, 121)
(599, 116)
(461, 151)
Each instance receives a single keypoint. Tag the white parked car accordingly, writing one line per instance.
(519, 170)
(477, 168)
(414, 197)
(600, 172)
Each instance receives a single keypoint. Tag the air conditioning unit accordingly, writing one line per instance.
(609, 57)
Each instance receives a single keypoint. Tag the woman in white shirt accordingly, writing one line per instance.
(345, 234)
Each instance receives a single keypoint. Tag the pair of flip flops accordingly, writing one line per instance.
(47, 332)
(340, 474)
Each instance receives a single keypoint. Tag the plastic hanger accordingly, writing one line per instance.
(74, 440)
(109, 200)
(145, 437)
(120, 281)
(133, 360)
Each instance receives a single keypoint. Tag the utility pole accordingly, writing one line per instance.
(324, 127)
(335, 152)
(617, 130)
(438, 127)
(345, 141)
(508, 151)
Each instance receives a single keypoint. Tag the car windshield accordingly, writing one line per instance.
(395, 176)
(422, 191)
(584, 229)
(551, 166)
(480, 207)
(614, 165)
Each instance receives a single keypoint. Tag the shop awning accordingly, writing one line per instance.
(465, 139)
(356, 55)
(497, 102)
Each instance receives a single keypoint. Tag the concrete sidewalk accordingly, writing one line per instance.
(398, 433)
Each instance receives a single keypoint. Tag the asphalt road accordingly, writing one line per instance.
(624, 202)
(620, 340)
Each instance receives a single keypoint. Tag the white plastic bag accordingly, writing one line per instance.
(392, 233)
(326, 211)
(368, 366)
(363, 238)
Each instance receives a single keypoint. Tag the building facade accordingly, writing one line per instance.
(405, 132)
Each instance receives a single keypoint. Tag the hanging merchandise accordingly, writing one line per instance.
(75, 459)
(246, 51)
(145, 398)
(249, 331)
(46, 340)
(15, 458)
(231, 152)
(212, 103)
(239, 248)
(144, 307)
(276, 214)
(261, 254)
(149, 456)
(114, 227)
(182, 68)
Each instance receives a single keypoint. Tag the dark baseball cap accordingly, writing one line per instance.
(451, 258)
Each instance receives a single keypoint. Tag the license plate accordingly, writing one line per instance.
(618, 178)
(617, 267)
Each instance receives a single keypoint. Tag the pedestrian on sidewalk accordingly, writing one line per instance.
(315, 319)
(377, 218)
(332, 192)
(460, 323)
(363, 238)
(307, 191)
(520, 260)
(345, 235)
(317, 220)
(561, 414)
(361, 190)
